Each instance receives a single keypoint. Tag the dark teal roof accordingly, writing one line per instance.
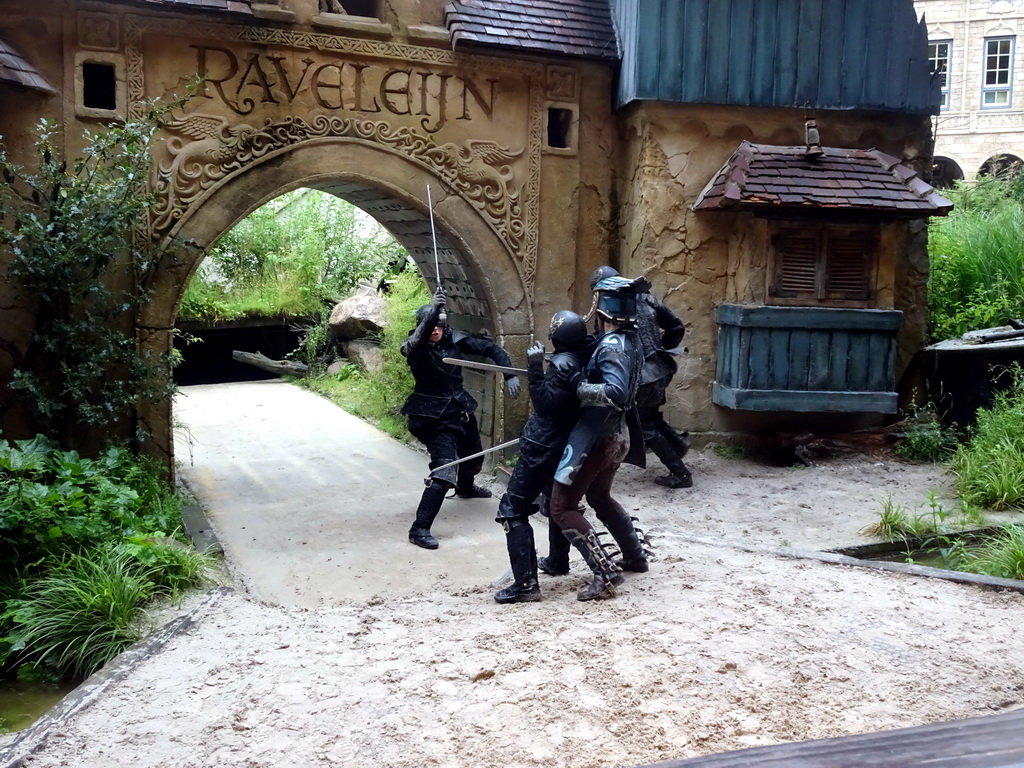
(820, 54)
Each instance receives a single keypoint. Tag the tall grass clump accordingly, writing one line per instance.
(977, 259)
(990, 468)
(378, 398)
(1002, 555)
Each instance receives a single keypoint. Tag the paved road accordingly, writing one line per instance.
(312, 505)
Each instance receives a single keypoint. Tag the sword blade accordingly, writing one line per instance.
(484, 452)
(483, 366)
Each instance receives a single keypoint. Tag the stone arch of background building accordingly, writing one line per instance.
(945, 172)
(486, 292)
(1002, 163)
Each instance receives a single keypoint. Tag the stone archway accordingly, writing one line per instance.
(486, 291)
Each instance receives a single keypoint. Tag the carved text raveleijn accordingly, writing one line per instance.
(337, 84)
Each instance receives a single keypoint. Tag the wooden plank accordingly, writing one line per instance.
(879, 347)
(726, 354)
(809, 42)
(757, 367)
(839, 356)
(649, 43)
(806, 401)
(673, 24)
(718, 52)
(902, 29)
(856, 30)
(811, 317)
(860, 357)
(778, 358)
(694, 39)
(741, 44)
(876, 52)
(799, 358)
(995, 741)
(723, 395)
(819, 360)
(742, 357)
(762, 82)
(625, 15)
(831, 64)
(785, 64)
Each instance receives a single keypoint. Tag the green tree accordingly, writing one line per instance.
(70, 244)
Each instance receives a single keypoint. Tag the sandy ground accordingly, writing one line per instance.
(716, 648)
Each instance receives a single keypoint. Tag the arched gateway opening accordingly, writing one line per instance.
(486, 292)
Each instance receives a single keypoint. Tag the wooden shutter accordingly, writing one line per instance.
(797, 257)
(847, 265)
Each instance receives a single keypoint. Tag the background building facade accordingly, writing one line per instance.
(975, 49)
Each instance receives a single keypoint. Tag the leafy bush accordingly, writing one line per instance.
(68, 238)
(990, 468)
(53, 502)
(288, 257)
(82, 548)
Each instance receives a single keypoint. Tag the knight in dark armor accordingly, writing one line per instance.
(607, 428)
(441, 411)
(541, 443)
(659, 329)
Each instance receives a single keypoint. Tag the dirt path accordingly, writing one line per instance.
(715, 649)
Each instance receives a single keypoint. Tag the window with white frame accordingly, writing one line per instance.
(939, 53)
(998, 72)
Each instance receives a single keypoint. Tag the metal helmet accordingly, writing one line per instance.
(424, 312)
(568, 330)
(616, 299)
(600, 274)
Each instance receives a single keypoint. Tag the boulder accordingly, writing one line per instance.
(358, 316)
(365, 354)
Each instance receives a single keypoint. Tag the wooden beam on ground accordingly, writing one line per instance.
(995, 741)
(264, 363)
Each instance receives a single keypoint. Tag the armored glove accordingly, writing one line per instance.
(440, 299)
(535, 354)
(594, 394)
(512, 386)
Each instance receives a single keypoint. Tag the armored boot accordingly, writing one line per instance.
(606, 573)
(523, 558)
(472, 491)
(679, 476)
(557, 561)
(430, 505)
(634, 558)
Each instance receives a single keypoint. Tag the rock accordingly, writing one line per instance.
(358, 316)
(336, 366)
(365, 354)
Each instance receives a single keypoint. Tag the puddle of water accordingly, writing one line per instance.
(21, 704)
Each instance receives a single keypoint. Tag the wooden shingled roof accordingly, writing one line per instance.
(577, 28)
(16, 70)
(243, 7)
(764, 177)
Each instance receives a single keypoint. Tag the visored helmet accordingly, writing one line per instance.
(424, 312)
(616, 299)
(600, 274)
(568, 330)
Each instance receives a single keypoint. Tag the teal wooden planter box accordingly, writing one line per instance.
(806, 359)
